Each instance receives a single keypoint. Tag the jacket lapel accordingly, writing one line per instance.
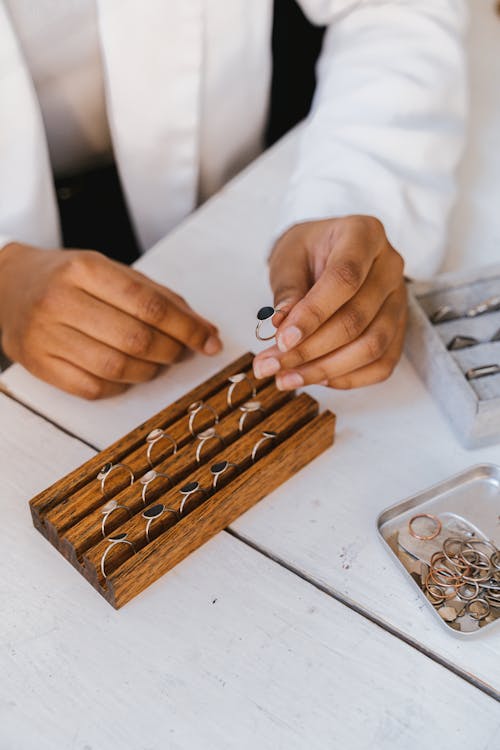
(152, 55)
(27, 196)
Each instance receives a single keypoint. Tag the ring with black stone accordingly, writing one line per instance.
(220, 468)
(265, 313)
(189, 489)
(154, 512)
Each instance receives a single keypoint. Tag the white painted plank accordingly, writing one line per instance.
(392, 438)
(229, 650)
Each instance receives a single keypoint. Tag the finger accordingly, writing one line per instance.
(119, 330)
(72, 379)
(353, 250)
(346, 325)
(369, 347)
(376, 372)
(135, 294)
(99, 359)
(289, 274)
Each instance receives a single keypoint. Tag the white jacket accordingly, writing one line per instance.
(384, 137)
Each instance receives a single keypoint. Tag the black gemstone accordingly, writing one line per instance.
(265, 313)
(117, 537)
(107, 467)
(218, 467)
(154, 511)
(190, 487)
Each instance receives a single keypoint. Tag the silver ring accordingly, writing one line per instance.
(265, 436)
(489, 305)
(156, 511)
(113, 541)
(235, 380)
(108, 469)
(204, 437)
(249, 407)
(108, 509)
(482, 372)
(149, 477)
(265, 313)
(154, 437)
(189, 489)
(195, 409)
(220, 468)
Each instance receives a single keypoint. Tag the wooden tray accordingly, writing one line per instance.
(70, 512)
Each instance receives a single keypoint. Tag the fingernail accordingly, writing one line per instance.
(212, 346)
(263, 368)
(288, 338)
(289, 381)
(323, 382)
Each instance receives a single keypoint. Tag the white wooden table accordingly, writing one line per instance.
(236, 648)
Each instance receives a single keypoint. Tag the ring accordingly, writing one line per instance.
(482, 372)
(219, 468)
(204, 437)
(434, 534)
(240, 377)
(108, 509)
(446, 312)
(108, 469)
(156, 511)
(191, 488)
(114, 540)
(478, 615)
(154, 437)
(149, 477)
(462, 342)
(495, 560)
(264, 314)
(249, 407)
(195, 409)
(265, 436)
(489, 305)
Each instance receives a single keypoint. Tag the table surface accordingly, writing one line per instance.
(278, 633)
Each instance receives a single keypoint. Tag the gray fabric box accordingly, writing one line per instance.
(473, 407)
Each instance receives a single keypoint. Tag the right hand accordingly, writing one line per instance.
(89, 325)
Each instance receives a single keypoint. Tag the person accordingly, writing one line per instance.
(177, 94)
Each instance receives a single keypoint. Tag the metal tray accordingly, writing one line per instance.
(468, 505)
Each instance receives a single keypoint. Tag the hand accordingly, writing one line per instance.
(340, 286)
(89, 325)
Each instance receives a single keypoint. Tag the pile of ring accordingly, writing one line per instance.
(467, 569)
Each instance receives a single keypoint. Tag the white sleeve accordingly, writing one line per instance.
(386, 129)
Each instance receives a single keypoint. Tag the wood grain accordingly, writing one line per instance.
(77, 526)
(291, 417)
(122, 447)
(220, 510)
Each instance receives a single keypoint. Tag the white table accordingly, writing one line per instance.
(229, 650)
(321, 526)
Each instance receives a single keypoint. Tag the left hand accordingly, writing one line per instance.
(341, 288)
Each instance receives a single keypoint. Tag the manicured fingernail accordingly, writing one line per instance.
(288, 338)
(289, 381)
(212, 346)
(263, 368)
(323, 382)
